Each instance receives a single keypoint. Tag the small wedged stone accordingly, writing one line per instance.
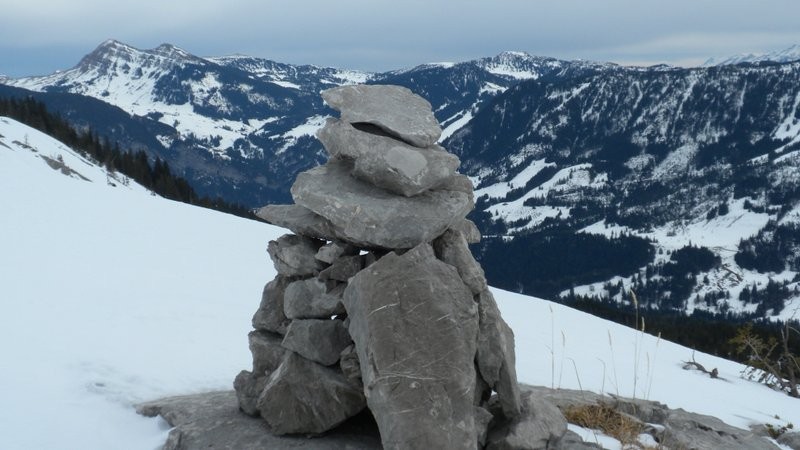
(452, 248)
(248, 387)
(308, 299)
(386, 162)
(302, 396)
(539, 426)
(482, 420)
(374, 218)
(293, 255)
(321, 341)
(415, 327)
(270, 316)
(267, 351)
(495, 356)
(332, 251)
(351, 368)
(394, 109)
(468, 228)
(343, 268)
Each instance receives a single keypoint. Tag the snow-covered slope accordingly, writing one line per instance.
(111, 296)
(786, 55)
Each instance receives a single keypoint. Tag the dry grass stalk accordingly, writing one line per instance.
(611, 422)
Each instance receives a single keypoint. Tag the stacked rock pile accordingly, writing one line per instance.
(378, 302)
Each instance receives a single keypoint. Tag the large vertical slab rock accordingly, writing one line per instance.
(369, 217)
(303, 397)
(387, 162)
(394, 109)
(496, 358)
(415, 327)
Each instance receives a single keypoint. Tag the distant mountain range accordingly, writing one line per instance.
(786, 55)
(592, 179)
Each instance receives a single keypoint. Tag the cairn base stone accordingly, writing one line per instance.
(304, 397)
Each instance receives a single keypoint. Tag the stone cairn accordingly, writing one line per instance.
(378, 302)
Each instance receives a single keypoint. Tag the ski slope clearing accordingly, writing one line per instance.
(111, 296)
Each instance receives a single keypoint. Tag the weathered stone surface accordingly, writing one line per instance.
(308, 299)
(458, 183)
(452, 248)
(303, 397)
(369, 217)
(213, 421)
(394, 109)
(791, 440)
(318, 340)
(496, 358)
(248, 387)
(387, 162)
(267, 351)
(270, 315)
(343, 268)
(540, 424)
(468, 228)
(331, 251)
(294, 255)
(415, 328)
(572, 441)
(348, 362)
(482, 420)
(299, 219)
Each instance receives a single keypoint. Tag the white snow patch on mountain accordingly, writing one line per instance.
(499, 190)
(458, 122)
(309, 128)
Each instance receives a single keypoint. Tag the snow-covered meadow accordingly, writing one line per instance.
(111, 296)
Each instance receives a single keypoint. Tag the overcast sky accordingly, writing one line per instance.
(40, 36)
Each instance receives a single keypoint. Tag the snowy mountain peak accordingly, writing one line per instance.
(518, 65)
(781, 56)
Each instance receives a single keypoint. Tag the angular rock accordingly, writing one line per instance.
(496, 358)
(387, 162)
(248, 387)
(267, 351)
(300, 220)
(468, 228)
(304, 397)
(308, 299)
(572, 441)
(369, 217)
(331, 251)
(540, 425)
(293, 255)
(270, 315)
(452, 248)
(414, 325)
(343, 268)
(318, 340)
(791, 440)
(394, 109)
(482, 420)
(701, 432)
(458, 183)
(351, 368)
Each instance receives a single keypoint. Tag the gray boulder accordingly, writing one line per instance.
(303, 397)
(267, 351)
(270, 315)
(791, 440)
(468, 228)
(415, 327)
(394, 109)
(318, 340)
(496, 358)
(540, 426)
(300, 220)
(370, 217)
(308, 299)
(248, 387)
(212, 421)
(387, 162)
(452, 248)
(293, 255)
(343, 268)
